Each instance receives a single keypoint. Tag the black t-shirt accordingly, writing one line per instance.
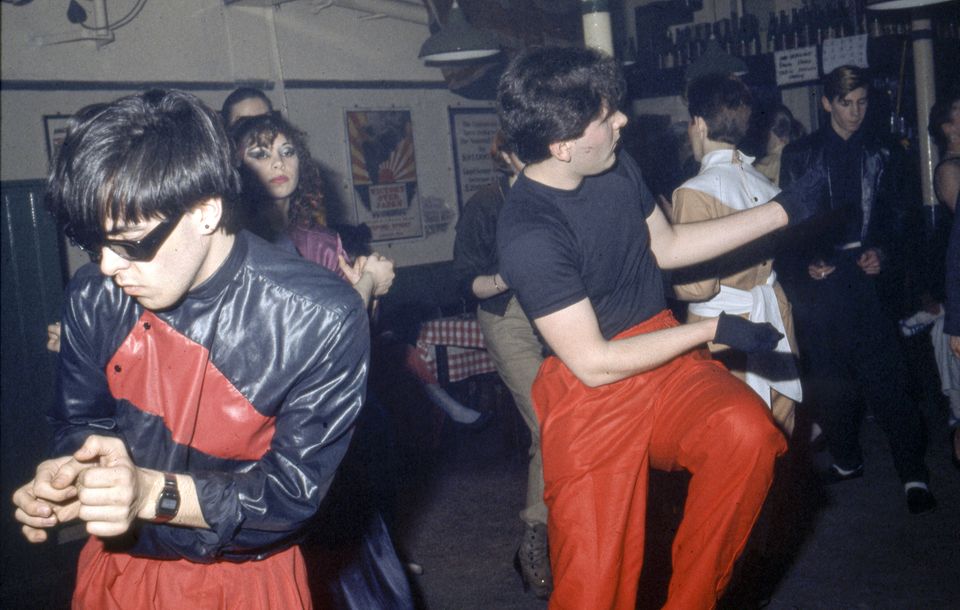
(557, 247)
(475, 246)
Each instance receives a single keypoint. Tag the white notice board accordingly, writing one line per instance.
(846, 51)
(795, 66)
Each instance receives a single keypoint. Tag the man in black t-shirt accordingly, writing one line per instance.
(581, 242)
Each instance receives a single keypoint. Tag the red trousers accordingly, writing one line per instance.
(117, 581)
(598, 446)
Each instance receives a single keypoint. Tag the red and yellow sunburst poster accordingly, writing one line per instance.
(384, 172)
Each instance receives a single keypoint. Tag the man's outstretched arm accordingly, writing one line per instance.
(687, 244)
(574, 335)
(691, 243)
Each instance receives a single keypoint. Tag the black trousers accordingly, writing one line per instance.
(851, 360)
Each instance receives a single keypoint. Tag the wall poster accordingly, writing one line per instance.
(384, 172)
(55, 127)
(473, 130)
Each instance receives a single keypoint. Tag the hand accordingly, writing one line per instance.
(108, 485)
(820, 270)
(801, 198)
(381, 270)
(746, 336)
(955, 345)
(53, 337)
(354, 271)
(42, 504)
(869, 261)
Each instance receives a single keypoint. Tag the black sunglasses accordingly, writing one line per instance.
(141, 250)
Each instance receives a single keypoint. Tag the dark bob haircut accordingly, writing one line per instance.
(150, 155)
(724, 103)
(551, 94)
(242, 94)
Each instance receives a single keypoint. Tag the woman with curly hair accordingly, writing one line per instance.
(284, 203)
(350, 556)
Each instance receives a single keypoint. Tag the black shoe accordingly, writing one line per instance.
(920, 500)
(532, 561)
(833, 475)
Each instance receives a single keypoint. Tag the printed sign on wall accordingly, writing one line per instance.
(795, 66)
(384, 171)
(473, 130)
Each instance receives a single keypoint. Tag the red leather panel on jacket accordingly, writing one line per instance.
(162, 372)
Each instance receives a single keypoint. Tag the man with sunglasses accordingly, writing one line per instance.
(208, 382)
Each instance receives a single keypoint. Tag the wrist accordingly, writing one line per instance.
(150, 486)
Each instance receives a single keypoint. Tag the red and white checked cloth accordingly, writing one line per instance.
(466, 350)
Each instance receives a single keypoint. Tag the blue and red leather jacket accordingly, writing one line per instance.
(251, 385)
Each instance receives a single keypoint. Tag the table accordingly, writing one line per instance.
(453, 348)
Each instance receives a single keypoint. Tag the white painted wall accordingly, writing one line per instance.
(202, 41)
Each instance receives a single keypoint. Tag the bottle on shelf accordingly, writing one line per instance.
(750, 34)
(799, 28)
(785, 32)
(773, 40)
(818, 30)
(668, 52)
(876, 30)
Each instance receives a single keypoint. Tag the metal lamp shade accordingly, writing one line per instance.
(890, 5)
(457, 40)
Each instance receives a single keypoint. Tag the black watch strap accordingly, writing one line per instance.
(168, 503)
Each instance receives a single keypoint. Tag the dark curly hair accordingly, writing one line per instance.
(551, 94)
(307, 209)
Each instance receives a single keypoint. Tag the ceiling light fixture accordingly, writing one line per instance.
(890, 5)
(457, 40)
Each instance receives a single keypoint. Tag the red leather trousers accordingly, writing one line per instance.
(598, 446)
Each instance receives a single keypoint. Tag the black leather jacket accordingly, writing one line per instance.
(251, 385)
(884, 205)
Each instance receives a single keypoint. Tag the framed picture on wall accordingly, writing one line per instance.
(55, 127)
(383, 167)
(472, 131)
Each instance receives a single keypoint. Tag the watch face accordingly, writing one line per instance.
(168, 504)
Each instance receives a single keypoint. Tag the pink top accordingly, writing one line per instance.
(320, 245)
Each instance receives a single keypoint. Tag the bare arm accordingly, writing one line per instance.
(687, 244)
(574, 335)
(947, 184)
(486, 286)
(695, 206)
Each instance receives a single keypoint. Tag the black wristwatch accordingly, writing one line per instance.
(168, 503)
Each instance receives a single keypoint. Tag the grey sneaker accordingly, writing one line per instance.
(532, 561)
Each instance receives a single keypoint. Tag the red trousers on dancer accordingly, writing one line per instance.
(118, 581)
(598, 446)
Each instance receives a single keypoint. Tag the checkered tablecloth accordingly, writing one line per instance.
(466, 350)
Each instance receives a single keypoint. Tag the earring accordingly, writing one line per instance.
(207, 227)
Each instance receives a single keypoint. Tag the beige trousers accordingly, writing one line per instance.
(516, 351)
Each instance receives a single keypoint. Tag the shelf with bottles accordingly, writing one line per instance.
(661, 72)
